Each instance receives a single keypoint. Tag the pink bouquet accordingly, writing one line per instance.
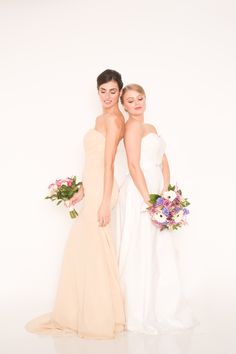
(169, 209)
(63, 190)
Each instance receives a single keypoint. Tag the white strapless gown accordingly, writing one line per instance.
(146, 256)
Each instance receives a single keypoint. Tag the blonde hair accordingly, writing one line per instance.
(134, 87)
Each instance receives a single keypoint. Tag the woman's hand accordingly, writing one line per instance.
(77, 197)
(104, 214)
(147, 201)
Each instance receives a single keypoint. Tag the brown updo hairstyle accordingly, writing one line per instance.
(109, 75)
(133, 87)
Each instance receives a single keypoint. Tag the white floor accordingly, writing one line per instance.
(216, 334)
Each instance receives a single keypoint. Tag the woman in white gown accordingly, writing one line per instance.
(146, 256)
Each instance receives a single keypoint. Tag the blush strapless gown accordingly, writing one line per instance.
(147, 259)
(89, 302)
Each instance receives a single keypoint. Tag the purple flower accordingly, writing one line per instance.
(165, 211)
(159, 201)
(186, 211)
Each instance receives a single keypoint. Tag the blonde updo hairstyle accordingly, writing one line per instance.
(133, 87)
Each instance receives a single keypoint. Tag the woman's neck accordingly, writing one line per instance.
(112, 110)
(139, 118)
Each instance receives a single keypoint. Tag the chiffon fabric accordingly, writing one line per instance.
(89, 301)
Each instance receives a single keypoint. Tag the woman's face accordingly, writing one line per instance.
(134, 102)
(109, 94)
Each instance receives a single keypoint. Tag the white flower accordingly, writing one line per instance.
(64, 183)
(159, 217)
(52, 189)
(171, 195)
(51, 192)
(179, 216)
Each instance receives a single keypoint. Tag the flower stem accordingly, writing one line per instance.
(73, 213)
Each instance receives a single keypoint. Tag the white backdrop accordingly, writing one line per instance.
(183, 53)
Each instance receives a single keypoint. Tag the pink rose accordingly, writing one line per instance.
(59, 182)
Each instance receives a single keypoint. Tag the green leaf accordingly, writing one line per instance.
(185, 203)
(153, 198)
(171, 188)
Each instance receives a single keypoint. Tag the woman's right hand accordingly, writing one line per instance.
(77, 197)
(147, 202)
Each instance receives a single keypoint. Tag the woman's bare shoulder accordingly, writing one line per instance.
(133, 127)
(106, 118)
(133, 124)
(99, 119)
(114, 119)
(113, 116)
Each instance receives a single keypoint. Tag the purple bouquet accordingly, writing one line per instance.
(168, 211)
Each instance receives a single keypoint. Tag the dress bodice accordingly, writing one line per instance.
(94, 146)
(152, 149)
(93, 173)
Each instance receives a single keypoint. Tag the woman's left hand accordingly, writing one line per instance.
(104, 214)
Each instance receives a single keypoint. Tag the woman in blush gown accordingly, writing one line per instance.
(89, 301)
(146, 256)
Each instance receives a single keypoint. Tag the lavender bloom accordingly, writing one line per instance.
(176, 210)
(165, 211)
(159, 201)
(186, 211)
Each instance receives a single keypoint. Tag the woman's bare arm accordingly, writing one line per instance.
(113, 130)
(166, 173)
(133, 136)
